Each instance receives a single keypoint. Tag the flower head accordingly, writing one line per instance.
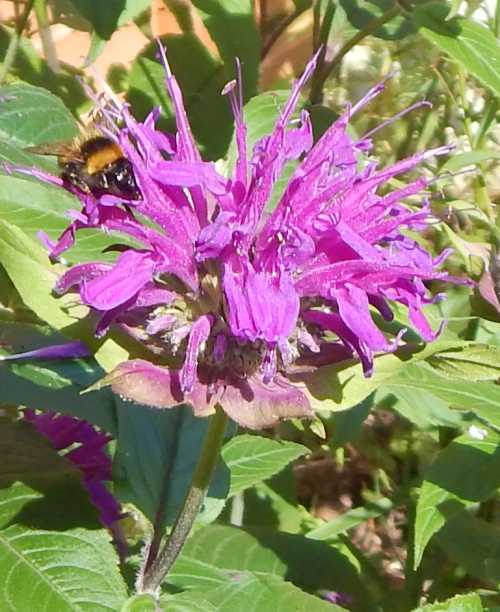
(233, 294)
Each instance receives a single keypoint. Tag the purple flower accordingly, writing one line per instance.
(232, 294)
(87, 453)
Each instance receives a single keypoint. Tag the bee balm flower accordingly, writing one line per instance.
(232, 295)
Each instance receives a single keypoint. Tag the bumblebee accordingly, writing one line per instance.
(94, 163)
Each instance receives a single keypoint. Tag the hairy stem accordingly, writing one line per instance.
(15, 39)
(193, 501)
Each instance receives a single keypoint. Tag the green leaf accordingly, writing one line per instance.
(470, 602)
(477, 362)
(275, 503)
(252, 459)
(33, 206)
(360, 14)
(346, 424)
(42, 464)
(471, 158)
(52, 555)
(32, 115)
(481, 398)
(231, 24)
(30, 67)
(190, 573)
(155, 459)
(307, 563)
(351, 518)
(54, 385)
(474, 544)
(260, 115)
(106, 17)
(140, 603)
(466, 472)
(463, 40)
(201, 79)
(422, 408)
(342, 385)
(29, 269)
(250, 593)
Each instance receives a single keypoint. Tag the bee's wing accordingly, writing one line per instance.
(63, 150)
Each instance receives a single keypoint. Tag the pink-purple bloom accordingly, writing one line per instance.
(85, 447)
(233, 295)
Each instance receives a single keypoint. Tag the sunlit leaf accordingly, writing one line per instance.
(252, 459)
(53, 555)
(307, 563)
(467, 471)
(32, 115)
(465, 41)
(245, 592)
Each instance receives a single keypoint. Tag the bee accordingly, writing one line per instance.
(93, 163)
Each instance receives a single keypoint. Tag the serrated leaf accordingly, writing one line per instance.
(41, 464)
(469, 602)
(250, 593)
(466, 472)
(53, 556)
(32, 115)
(154, 461)
(479, 362)
(252, 459)
(342, 385)
(307, 563)
(465, 41)
(481, 398)
(275, 503)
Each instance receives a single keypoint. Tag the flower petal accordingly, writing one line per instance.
(131, 272)
(256, 405)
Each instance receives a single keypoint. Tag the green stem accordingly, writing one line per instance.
(481, 194)
(193, 501)
(320, 78)
(496, 23)
(43, 21)
(15, 39)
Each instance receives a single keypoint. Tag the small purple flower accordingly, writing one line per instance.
(84, 447)
(232, 294)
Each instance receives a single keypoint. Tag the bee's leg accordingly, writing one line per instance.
(74, 174)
